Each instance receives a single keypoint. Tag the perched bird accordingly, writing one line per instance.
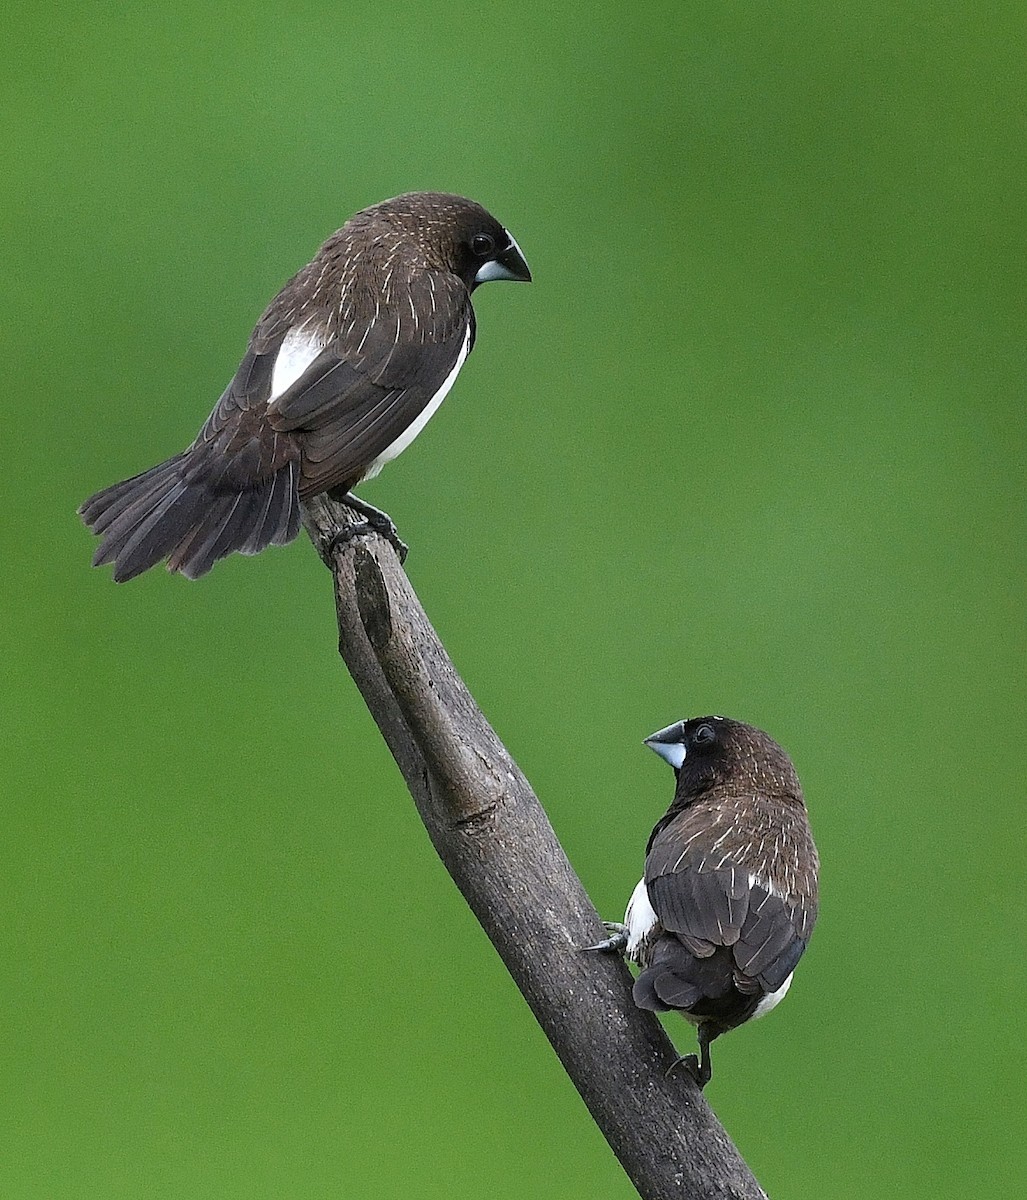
(728, 900)
(342, 372)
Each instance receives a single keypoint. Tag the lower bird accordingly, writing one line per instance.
(342, 372)
(728, 900)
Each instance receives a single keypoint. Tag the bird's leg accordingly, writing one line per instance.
(700, 1066)
(705, 1072)
(375, 521)
(617, 942)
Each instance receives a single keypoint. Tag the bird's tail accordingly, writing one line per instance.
(186, 511)
(677, 978)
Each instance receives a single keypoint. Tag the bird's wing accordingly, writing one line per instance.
(372, 380)
(707, 899)
(237, 448)
(350, 391)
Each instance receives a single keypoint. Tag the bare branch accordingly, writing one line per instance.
(496, 841)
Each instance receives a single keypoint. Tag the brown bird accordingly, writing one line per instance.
(343, 370)
(728, 900)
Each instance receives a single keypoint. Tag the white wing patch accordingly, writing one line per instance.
(640, 918)
(297, 352)
(415, 427)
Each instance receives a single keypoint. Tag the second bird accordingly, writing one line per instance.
(728, 900)
(343, 370)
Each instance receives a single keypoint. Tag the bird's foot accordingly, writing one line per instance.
(375, 521)
(384, 527)
(615, 943)
(691, 1064)
(358, 529)
(698, 1066)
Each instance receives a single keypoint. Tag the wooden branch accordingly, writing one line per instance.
(496, 841)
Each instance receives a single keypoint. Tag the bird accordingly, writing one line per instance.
(729, 895)
(342, 371)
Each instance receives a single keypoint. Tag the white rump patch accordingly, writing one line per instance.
(297, 352)
(772, 999)
(415, 427)
(640, 918)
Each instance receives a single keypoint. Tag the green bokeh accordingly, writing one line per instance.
(752, 443)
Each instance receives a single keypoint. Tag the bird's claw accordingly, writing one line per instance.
(382, 526)
(616, 943)
(692, 1065)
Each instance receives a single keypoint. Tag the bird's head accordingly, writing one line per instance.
(454, 234)
(707, 751)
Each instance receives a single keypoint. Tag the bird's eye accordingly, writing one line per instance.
(483, 244)
(705, 735)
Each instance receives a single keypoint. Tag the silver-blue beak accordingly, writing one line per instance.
(668, 744)
(508, 264)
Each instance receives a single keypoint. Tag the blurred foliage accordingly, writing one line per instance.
(753, 443)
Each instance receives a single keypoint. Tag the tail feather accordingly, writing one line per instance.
(188, 511)
(289, 522)
(265, 517)
(136, 521)
(165, 522)
(660, 990)
(279, 520)
(248, 522)
(197, 552)
(644, 994)
(118, 523)
(101, 510)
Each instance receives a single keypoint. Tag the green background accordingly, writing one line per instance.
(753, 443)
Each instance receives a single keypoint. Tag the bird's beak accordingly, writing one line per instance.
(508, 264)
(668, 744)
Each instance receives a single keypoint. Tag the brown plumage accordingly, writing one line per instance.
(342, 370)
(729, 897)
